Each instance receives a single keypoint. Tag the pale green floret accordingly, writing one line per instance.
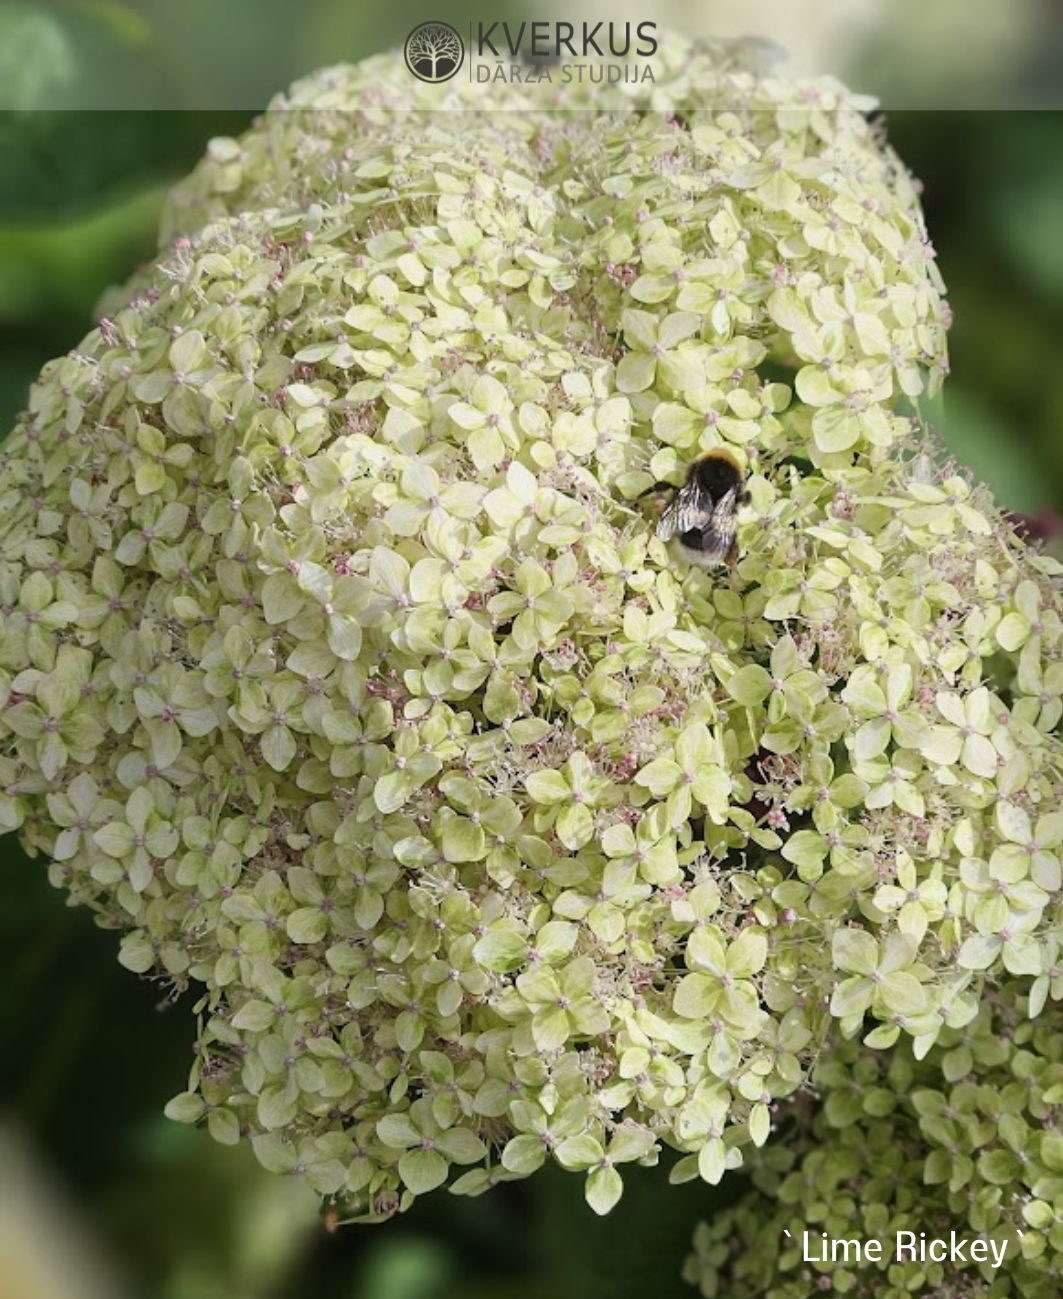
(344, 672)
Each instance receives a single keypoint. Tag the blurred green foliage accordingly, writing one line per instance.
(155, 54)
(994, 203)
(91, 1054)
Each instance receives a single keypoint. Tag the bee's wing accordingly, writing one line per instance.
(687, 511)
(721, 527)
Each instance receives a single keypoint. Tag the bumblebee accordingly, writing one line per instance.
(703, 513)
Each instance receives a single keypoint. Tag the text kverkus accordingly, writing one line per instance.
(908, 1247)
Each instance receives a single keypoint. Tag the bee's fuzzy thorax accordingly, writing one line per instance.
(720, 453)
(717, 471)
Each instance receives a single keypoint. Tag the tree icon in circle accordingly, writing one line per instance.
(434, 51)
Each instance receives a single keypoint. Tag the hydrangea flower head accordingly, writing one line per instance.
(344, 673)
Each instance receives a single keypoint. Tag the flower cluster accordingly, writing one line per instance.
(342, 669)
(963, 1142)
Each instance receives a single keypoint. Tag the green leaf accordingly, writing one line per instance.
(696, 996)
(980, 757)
(901, 993)
(392, 790)
(674, 424)
(398, 1132)
(851, 997)
(224, 1127)
(750, 685)
(502, 950)
(460, 1146)
(603, 1189)
(836, 429)
(635, 373)
(805, 848)
(344, 636)
(871, 739)
(116, 839)
(255, 1017)
(999, 1167)
(882, 1037)
(277, 1107)
(523, 1154)
(712, 789)
(272, 1152)
(327, 1176)
(812, 384)
(281, 599)
(706, 951)
(1052, 1151)
(618, 841)
(784, 737)
(695, 747)
(278, 747)
(855, 951)
(653, 288)
(556, 939)
(941, 745)
(575, 826)
(1013, 822)
(1038, 1214)
(547, 787)
(423, 1170)
(186, 1108)
(307, 925)
(550, 1029)
(864, 694)
(630, 1143)
(979, 952)
(581, 1152)
(848, 791)
(712, 1161)
(1012, 632)
(660, 776)
(150, 477)
(759, 1124)
(136, 953)
(188, 352)
(462, 840)
(747, 954)
(908, 799)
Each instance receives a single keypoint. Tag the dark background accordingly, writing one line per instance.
(95, 1186)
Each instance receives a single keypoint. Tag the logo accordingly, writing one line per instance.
(434, 52)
